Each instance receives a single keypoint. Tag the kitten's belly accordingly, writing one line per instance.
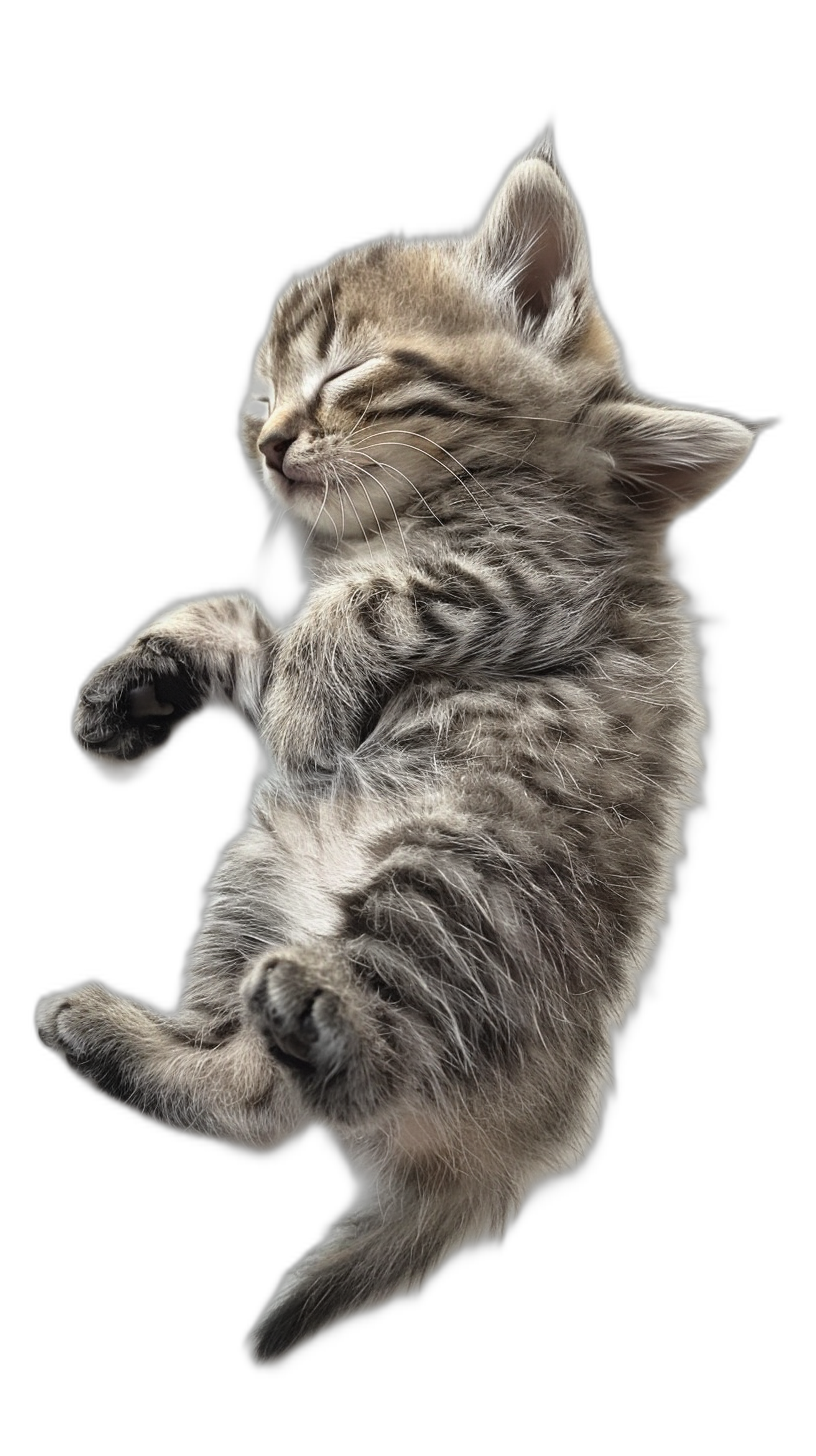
(567, 772)
(322, 849)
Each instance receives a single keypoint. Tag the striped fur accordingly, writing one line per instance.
(484, 730)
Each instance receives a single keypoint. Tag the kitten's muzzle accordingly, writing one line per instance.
(291, 474)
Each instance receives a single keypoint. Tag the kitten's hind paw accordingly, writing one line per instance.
(77, 1027)
(296, 1015)
(46, 1017)
(131, 703)
(321, 1025)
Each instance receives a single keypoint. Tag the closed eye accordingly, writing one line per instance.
(338, 373)
(348, 369)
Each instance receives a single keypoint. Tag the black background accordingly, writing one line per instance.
(181, 188)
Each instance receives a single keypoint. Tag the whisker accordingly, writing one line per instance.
(384, 465)
(377, 521)
(373, 477)
(548, 419)
(276, 526)
(347, 493)
(456, 475)
(340, 498)
(427, 438)
(366, 408)
(317, 518)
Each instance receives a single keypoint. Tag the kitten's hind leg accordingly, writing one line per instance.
(206, 1066)
(178, 1069)
(370, 1255)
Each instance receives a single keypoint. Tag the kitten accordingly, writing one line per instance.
(484, 730)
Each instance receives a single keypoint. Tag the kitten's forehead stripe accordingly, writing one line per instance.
(324, 338)
(321, 301)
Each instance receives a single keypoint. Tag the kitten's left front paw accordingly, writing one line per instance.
(131, 703)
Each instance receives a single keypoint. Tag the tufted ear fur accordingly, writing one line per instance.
(532, 248)
(665, 459)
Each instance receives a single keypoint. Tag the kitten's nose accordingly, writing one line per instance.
(273, 448)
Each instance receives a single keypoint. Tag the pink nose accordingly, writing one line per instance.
(273, 448)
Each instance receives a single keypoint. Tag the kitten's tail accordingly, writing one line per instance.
(367, 1257)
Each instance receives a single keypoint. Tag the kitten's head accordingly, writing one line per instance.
(409, 381)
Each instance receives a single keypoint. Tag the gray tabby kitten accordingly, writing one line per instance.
(484, 730)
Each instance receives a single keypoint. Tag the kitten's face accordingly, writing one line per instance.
(403, 377)
(387, 376)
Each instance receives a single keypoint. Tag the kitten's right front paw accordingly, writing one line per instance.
(131, 703)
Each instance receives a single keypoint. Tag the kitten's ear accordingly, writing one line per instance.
(666, 460)
(532, 247)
